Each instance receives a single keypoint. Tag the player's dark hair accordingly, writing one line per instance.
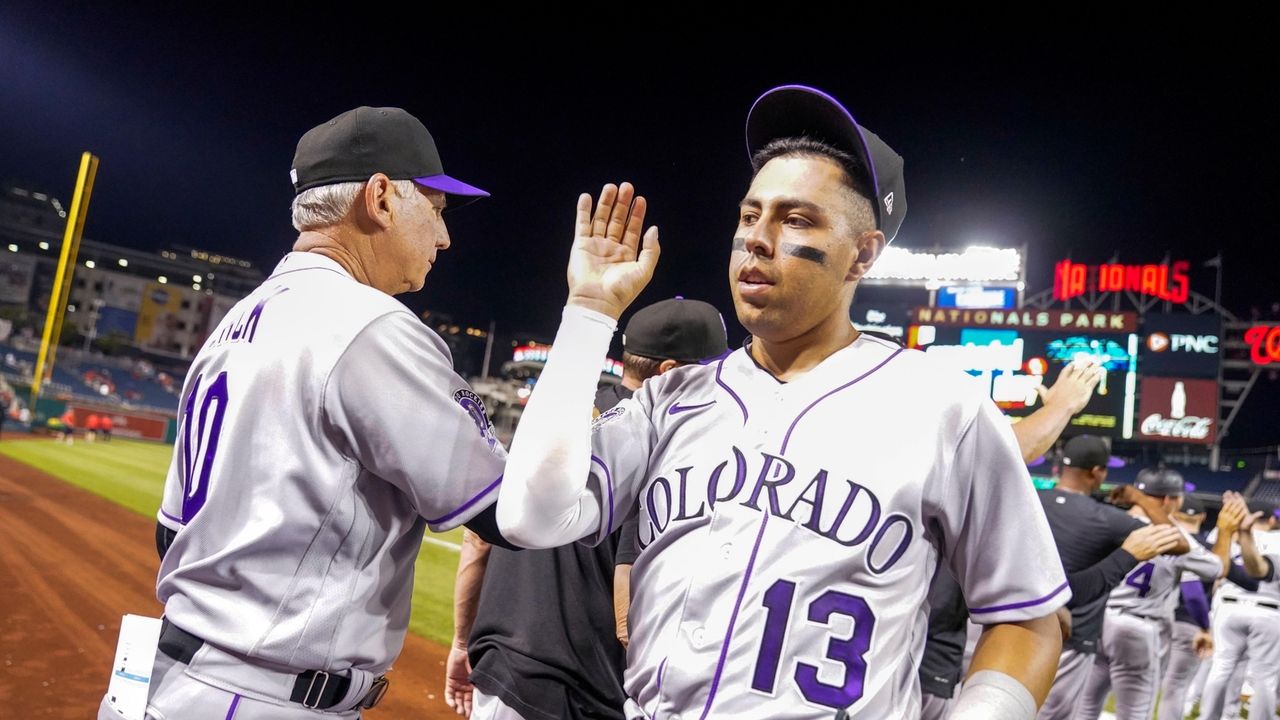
(854, 171)
(639, 366)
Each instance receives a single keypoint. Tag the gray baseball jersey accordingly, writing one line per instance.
(322, 426)
(1151, 588)
(789, 530)
(1246, 627)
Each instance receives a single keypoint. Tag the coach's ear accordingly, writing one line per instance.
(868, 247)
(375, 200)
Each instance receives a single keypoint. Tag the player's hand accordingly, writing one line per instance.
(1074, 387)
(1202, 644)
(1233, 513)
(1151, 540)
(457, 680)
(610, 262)
(1246, 524)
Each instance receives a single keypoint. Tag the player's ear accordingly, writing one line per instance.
(867, 248)
(666, 365)
(376, 198)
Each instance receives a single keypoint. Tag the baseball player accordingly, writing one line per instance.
(1247, 627)
(796, 496)
(322, 428)
(1139, 616)
(560, 656)
(1192, 641)
(1101, 537)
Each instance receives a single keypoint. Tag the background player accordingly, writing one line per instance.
(322, 428)
(793, 504)
(558, 655)
(1247, 625)
(1139, 616)
(1091, 534)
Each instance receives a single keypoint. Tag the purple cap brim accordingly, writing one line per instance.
(1115, 462)
(450, 186)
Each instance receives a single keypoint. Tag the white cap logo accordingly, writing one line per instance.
(293, 175)
(888, 203)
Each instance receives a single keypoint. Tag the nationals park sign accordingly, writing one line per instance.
(1096, 321)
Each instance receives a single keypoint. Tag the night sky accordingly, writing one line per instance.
(1106, 146)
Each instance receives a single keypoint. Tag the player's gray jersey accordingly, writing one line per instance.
(1151, 589)
(1268, 587)
(790, 530)
(321, 426)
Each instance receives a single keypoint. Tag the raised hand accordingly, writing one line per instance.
(1233, 513)
(611, 262)
(1074, 387)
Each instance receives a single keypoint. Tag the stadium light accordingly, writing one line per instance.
(122, 262)
(13, 248)
(44, 245)
(162, 280)
(196, 278)
(90, 264)
(975, 264)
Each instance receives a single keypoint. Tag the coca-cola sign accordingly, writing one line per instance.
(1188, 427)
(1178, 410)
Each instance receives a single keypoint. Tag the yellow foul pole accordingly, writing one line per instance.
(66, 268)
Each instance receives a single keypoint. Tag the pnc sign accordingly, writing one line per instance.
(1264, 343)
(1167, 282)
(1161, 342)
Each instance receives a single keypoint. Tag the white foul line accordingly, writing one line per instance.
(442, 543)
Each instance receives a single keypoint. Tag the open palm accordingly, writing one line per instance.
(611, 262)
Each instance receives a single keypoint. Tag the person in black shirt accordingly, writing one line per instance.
(540, 638)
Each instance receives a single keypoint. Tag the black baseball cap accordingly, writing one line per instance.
(358, 143)
(802, 111)
(676, 329)
(1161, 482)
(1087, 452)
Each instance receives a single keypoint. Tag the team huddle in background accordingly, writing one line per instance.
(767, 531)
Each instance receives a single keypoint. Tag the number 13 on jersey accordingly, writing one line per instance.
(849, 652)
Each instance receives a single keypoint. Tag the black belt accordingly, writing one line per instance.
(315, 689)
(1252, 601)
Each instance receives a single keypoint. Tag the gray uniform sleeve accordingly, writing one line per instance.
(1199, 561)
(396, 407)
(996, 539)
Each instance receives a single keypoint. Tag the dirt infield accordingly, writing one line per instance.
(71, 563)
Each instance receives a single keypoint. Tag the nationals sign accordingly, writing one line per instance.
(1180, 410)
(1167, 282)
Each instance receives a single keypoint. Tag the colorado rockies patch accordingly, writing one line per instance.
(474, 406)
(612, 414)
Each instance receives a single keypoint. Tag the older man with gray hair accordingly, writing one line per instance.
(322, 429)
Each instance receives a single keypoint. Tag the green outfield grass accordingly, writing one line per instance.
(131, 473)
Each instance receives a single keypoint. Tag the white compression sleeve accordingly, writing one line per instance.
(543, 501)
(991, 695)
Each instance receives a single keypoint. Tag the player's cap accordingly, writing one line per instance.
(1087, 452)
(1161, 482)
(798, 110)
(676, 329)
(358, 143)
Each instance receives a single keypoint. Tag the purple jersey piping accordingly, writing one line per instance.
(1016, 606)
(177, 520)
(812, 405)
(463, 508)
(728, 636)
(734, 395)
(608, 481)
(231, 711)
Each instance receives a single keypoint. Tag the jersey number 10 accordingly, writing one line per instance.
(199, 441)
